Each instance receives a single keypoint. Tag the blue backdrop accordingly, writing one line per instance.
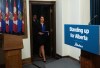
(85, 37)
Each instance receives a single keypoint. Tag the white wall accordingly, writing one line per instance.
(84, 11)
(65, 18)
(67, 13)
(26, 51)
(59, 24)
(73, 16)
(70, 12)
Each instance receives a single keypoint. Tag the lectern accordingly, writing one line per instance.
(89, 60)
(87, 38)
(10, 51)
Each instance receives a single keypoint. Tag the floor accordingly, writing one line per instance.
(53, 63)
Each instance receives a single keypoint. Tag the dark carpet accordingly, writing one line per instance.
(53, 63)
(63, 63)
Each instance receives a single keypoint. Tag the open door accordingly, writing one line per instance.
(48, 10)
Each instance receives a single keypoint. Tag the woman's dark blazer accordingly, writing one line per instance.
(42, 38)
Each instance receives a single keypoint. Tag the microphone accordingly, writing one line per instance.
(93, 19)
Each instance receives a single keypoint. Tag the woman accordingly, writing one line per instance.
(42, 35)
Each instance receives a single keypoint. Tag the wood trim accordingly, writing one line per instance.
(31, 47)
(25, 18)
(27, 61)
(42, 3)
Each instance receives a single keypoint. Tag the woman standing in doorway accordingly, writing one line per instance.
(42, 35)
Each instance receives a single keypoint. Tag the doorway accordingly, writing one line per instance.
(47, 9)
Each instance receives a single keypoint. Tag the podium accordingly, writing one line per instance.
(86, 38)
(10, 51)
(89, 60)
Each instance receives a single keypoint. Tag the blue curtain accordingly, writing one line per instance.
(95, 11)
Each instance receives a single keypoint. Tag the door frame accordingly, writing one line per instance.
(54, 24)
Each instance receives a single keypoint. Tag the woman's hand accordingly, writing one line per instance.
(40, 33)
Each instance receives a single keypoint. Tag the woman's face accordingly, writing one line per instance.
(42, 19)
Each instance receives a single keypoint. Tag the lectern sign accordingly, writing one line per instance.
(85, 37)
